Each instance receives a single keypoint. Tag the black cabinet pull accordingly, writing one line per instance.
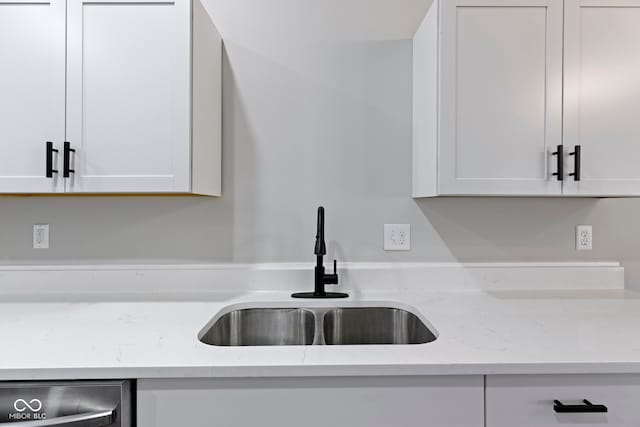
(588, 407)
(577, 151)
(560, 162)
(67, 159)
(50, 170)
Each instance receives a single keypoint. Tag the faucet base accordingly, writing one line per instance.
(326, 295)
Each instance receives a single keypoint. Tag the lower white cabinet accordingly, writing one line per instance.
(435, 401)
(528, 400)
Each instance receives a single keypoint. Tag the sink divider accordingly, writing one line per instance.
(318, 316)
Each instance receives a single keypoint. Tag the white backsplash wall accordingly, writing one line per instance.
(317, 110)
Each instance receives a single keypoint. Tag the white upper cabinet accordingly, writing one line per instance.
(143, 96)
(500, 84)
(489, 115)
(32, 54)
(128, 115)
(500, 96)
(602, 95)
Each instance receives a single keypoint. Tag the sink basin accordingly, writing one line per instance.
(262, 326)
(316, 326)
(376, 325)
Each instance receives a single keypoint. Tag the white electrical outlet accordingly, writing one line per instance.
(41, 236)
(584, 237)
(397, 237)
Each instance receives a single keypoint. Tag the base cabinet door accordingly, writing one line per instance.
(559, 400)
(312, 402)
(602, 96)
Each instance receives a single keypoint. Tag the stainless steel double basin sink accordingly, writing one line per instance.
(316, 326)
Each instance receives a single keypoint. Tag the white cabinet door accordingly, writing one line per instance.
(128, 96)
(602, 95)
(312, 402)
(32, 55)
(500, 96)
(528, 400)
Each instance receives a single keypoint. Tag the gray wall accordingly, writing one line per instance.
(317, 110)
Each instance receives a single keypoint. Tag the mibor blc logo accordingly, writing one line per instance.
(27, 410)
(21, 405)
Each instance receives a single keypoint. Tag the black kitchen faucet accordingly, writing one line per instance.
(322, 279)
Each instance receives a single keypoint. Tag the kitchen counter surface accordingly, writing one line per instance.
(479, 332)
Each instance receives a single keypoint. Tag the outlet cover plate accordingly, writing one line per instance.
(584, 237)
(397, 237)
(41, 236)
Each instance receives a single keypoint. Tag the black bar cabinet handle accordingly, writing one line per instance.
(577, 152)
(50, 170)
(588, 407)
(67, 159)
(560, 162)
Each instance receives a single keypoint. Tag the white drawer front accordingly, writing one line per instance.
(528, 401)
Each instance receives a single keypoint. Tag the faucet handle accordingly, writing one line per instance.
(332, 279)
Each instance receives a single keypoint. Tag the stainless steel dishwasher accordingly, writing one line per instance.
(60, 404)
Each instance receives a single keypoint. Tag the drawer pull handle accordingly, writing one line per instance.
(588, 407)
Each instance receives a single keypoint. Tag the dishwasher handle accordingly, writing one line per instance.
(88, 419)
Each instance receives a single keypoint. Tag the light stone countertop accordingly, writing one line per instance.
(479, 332)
